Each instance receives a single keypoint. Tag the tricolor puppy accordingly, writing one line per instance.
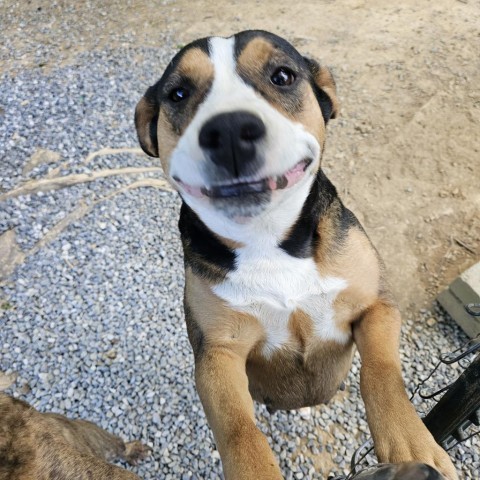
(281, 279)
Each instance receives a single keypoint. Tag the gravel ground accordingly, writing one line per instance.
(93, 321)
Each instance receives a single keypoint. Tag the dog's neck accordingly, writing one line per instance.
(303, 235)
(266, 229)
(295, 232)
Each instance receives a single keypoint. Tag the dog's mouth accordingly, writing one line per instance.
(239, 188)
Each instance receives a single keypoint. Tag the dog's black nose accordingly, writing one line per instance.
(230, 139)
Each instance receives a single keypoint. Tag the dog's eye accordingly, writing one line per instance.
(179, 94)
(282, 77)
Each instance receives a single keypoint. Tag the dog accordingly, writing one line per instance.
(43, 446)
(281, 281)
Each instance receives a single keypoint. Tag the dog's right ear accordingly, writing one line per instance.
(324, 88)
(146, 120)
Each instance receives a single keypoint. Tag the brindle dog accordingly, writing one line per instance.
(48, 446)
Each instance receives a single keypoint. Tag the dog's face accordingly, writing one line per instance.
(238, 123)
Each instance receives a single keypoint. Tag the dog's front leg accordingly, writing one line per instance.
(398, 433)
(222, 384)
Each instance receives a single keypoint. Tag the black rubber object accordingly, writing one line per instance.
(458, 409)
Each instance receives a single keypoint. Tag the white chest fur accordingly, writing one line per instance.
(270, 284)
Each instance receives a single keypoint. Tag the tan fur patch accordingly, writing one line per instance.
(295, 378)
(220, 325)
(231, 244)
(356, 262)
(222, 383)
(255, 55)
(167, 139)
(197, 66)
(311, 116)
(398, 433)
(301, 328)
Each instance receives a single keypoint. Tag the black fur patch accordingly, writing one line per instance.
(303, 238)
(348, 220)
(204, 252)
(326, 105)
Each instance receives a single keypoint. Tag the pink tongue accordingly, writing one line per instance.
(294, 175)
(272, 183)
(288, 179)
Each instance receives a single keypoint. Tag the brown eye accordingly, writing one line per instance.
(179, 94)
(282, 77)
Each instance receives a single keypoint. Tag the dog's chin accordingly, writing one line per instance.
(242, 209)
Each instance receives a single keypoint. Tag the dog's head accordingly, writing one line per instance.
(238, 123)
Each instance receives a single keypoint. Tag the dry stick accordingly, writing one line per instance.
(144, 182)
(464, 245)
(10, 253)
(103, 151)
(47, 184)
(6, 381)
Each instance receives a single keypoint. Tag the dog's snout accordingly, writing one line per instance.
(231, 140)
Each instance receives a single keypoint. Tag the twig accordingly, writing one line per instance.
(465, 246)
(103, 151)
(47, 184)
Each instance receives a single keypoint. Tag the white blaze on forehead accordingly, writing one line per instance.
(222, 54)
(229, 92)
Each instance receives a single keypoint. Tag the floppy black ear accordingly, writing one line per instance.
(324, 88)
(146, 119)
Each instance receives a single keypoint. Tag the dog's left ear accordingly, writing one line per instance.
(146, 120)
(324, 88)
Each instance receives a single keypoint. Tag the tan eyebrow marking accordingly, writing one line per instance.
(196, 66)
(255, 55)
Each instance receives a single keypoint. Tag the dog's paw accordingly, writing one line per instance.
(135, 452)
(419, 447)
